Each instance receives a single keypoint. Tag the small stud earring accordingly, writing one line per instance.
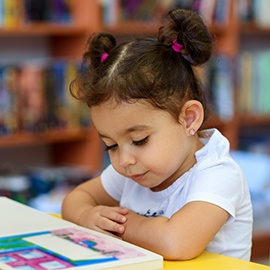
(192, 132)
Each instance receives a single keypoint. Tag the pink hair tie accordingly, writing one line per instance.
(176, 46)
(104, 56)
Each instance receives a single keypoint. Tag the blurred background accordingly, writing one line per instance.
(47, 142)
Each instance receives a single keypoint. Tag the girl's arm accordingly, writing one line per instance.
(182, 237)
(89, 205)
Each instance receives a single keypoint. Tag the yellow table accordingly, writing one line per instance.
(209, 261)
(212, 261)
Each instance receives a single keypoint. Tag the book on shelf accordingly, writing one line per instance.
(245, 10)
(264, 97)
(256, 11)
(254, 82)
(57, 11)
(36, 240)
(213, 11)
(34, 97)
(129, 9)
(10, 12)
(222, 12)
(208, 9)
(223, 87)
(110, 12)
(16, 12)
(261, 12)
(8, 100)
(245, 82)
(217, 81)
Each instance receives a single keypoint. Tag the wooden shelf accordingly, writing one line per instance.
(213, 121)
(251, 28)
(39, 29)
(54, 136)
(254, 120)
(79, 146)
(68, 40)
(151, 28)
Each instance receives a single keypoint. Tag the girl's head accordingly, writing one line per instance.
(155, 70)
(145, 100)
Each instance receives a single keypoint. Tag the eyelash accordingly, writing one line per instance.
(137, 143)
(141, 142)
(111, 147)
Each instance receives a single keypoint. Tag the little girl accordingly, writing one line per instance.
(170, 188)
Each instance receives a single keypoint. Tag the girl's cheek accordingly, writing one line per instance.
(114, 161)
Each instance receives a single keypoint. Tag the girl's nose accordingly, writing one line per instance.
(126, 158)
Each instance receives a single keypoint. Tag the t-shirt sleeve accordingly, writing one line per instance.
(223, 185)
(113, 182)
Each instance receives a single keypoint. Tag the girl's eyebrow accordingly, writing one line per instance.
(136, 128)
(128, 130)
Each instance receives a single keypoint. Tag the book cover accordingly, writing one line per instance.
(223, 89)
(31, 105)
(76, 114)
(11, 13)
(207, 10)
(30, 239)
(261, 13)
(8, 100)
(222, 12)
(2, 13)
(129, 8)
(110, 12)
(245, 81)
(254, 82)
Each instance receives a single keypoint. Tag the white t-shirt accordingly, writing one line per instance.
(215, 178)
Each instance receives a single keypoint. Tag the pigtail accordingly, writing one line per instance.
(187, 29)
(184, 34)
(99, 47)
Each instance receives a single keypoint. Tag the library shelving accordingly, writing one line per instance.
(231, 38)
(81, 146)
(68, 40)
(58, 40)
(230, 35)
(226, 42)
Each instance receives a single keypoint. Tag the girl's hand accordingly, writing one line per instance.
(105, 219)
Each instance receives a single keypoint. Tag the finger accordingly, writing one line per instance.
(109, 225)
(113, 215)
(123, 211)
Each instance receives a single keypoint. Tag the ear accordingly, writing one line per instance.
(191, 116)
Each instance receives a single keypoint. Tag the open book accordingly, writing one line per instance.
(30, 239)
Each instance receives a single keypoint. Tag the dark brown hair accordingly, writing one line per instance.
(147, 68)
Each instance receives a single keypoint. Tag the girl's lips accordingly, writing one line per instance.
(137, 177)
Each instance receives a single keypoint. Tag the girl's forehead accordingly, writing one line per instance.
(114, 103)
(113, 106)
(108, 115)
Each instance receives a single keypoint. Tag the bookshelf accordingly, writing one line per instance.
(67, 40)
(232, 38)
(226, 38)
(254, 112)
(23, 40)
(81, 146)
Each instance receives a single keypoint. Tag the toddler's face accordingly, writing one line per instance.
(144, 143)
